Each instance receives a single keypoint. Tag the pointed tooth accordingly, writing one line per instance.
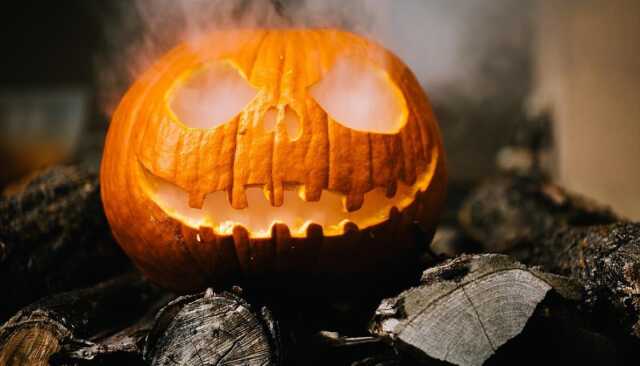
(308, 195)
(314, 231)
(243, 247)
(310, 251)
(279, 230)
(301, 191)
(353, 201)
(349, 227)
(188, 233)
(392, 187)
(278, 195)
(206, 233)
(394, 216)
(238, 197)
(312, 193)
(196, 200)
(281, 238)
(267, 192)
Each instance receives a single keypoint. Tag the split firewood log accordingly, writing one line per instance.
(539, 223)
(41, 329)
(212, 329)
(201, 329)
(54, 237)
(121, 348)
(465, 310)
(605, 259)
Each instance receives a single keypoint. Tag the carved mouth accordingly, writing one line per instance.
(329, 211)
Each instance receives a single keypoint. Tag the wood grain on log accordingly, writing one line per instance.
(201, 329)
(212, 329)
(605, 259)
(54, 237)
(38, 331)
(467, 308)
(540, 224)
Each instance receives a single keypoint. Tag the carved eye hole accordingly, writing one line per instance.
(361, 97)
(211, 96)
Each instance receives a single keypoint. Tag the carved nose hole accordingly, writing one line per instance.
(292, 123)
(270, 119)
(289, 119)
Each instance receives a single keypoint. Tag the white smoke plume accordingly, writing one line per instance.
(444, 42)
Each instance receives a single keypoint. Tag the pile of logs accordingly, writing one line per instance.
(530, 274)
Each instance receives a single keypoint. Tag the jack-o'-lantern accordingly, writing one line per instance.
(253, 152)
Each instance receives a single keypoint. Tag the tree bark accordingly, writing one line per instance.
(201, 329)
(40, 330)
(540, 224)
(466, 309)
(212, 329)
(606, 260)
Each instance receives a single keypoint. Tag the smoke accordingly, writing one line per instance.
(360, 98)
(445, 43)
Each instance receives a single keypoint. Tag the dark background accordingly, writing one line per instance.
(49, 42)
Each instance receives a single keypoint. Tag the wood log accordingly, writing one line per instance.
(450, 241)
(213, 329)
(201, 329)
(327, 329)
(506, 209)
(540, 224)
(54, 237)
(606, 260)
(122, 347)
(210, 320)
(38, 331)
(466, 309)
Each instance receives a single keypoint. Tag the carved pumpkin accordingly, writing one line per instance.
(271, 151)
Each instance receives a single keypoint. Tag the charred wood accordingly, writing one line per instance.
(54, 237)
(540, 224)
(41, 329)
(606, 260)
(213, 329)
(477, 309)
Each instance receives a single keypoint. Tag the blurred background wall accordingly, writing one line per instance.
(492, 69)
(47, 106)
(587, 75)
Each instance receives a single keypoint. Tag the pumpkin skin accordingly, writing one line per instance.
(148, 143)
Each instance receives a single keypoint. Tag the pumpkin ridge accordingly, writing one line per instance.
(254, 57)
(360, 170)
(122, 127)
(370, 158)
(196, 196)
(177, 149)
(316, 155)
(421, 134)
(276, 180)
(245, 142)
(422, 125)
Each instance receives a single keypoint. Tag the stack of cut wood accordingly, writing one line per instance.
(532, 275)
